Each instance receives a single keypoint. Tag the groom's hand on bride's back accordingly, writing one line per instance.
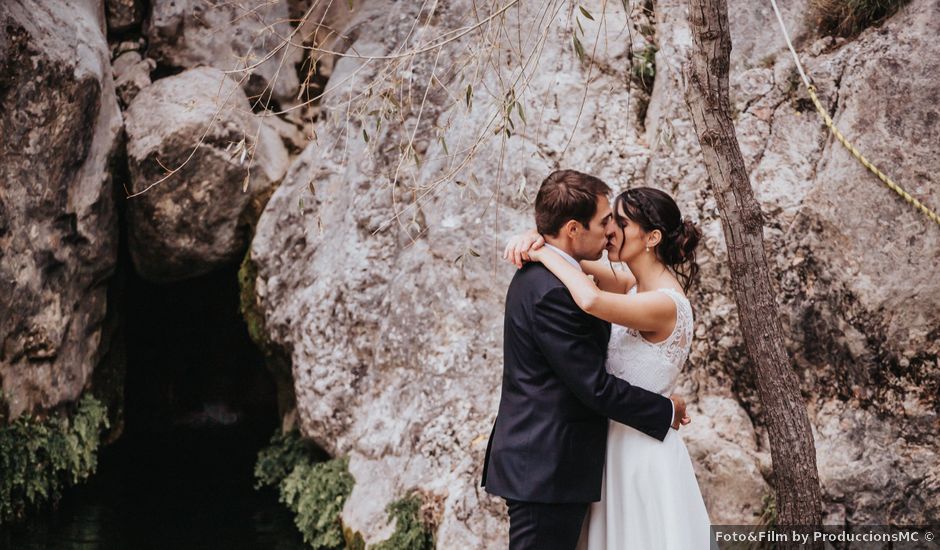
(680, 416)
(517, 248)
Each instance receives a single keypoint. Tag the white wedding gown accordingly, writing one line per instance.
(650, 499)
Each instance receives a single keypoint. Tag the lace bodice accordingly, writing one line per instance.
(652, 366)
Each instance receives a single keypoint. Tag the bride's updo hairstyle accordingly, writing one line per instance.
(654, 209)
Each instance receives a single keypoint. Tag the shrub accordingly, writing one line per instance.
(314, 491)
(276, 461)
(412, 530)
(850, 17)
(41, 457)
(316, 494)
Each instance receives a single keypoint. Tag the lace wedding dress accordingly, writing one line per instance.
(650, 499)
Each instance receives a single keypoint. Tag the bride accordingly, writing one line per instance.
(650, 499)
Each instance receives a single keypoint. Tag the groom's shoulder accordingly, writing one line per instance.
(535, 280)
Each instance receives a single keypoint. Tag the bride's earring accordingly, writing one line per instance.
(647, 249)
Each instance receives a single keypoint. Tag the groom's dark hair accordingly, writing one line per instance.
(567, 195)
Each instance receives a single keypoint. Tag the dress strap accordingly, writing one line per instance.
(677, 345)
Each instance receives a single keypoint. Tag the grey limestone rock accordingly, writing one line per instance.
(60, 122)
(197, 218)
(232, 36)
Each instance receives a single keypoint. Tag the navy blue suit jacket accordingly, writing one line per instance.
(549, 440)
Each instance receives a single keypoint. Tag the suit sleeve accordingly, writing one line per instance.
(563, 333)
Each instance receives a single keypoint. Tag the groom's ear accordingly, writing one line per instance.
(570, 228)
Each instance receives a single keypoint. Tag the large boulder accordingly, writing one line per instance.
(233, 36)
(391, 309)
(59, 120)
(197, 157)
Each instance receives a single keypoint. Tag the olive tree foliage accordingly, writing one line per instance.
(481, 54)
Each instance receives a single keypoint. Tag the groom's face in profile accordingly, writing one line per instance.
(589, 243)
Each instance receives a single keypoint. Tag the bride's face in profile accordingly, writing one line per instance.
(628, 241)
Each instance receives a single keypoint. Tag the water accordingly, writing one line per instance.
(191, 487)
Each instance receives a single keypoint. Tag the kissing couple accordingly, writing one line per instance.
(585, 448)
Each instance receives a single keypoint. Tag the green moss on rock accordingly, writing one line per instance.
(314, 491)
(276, 461)
(316, 494)
(41, 457)
(247, 273)
(276, 359)
(412, 530)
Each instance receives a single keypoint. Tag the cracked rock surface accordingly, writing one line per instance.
(396, 346)
(199, 124)
(59, 122)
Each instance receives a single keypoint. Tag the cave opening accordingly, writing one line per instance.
(198, 404)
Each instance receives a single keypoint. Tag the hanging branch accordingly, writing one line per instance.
(796, 479)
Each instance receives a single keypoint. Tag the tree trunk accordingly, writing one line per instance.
(796, 479)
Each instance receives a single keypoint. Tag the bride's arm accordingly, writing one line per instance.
(518, 248)
(607, 278)
(647, 311)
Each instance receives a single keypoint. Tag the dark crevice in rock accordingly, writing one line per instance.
(313, 80)
(108, 378)
(770, 134)
(125, 18)
(163, 71)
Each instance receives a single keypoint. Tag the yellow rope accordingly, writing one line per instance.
(865, 162)
(845, 142)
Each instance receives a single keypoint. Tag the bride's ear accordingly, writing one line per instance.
(654, 237)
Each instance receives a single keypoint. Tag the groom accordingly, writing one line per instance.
(546, 453)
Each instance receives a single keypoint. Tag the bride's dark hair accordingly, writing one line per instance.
(654, 209)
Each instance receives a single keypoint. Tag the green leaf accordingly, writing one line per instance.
(578, 48)
(469, 95)
(521, 112)
(365, 135)
(586, 13)
(474, 253)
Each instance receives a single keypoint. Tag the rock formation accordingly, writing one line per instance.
(59, 120)
(198, 217)
(393, 321)
(231, 36)
(374, 263)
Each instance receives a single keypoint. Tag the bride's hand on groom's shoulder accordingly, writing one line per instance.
(519, 246)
